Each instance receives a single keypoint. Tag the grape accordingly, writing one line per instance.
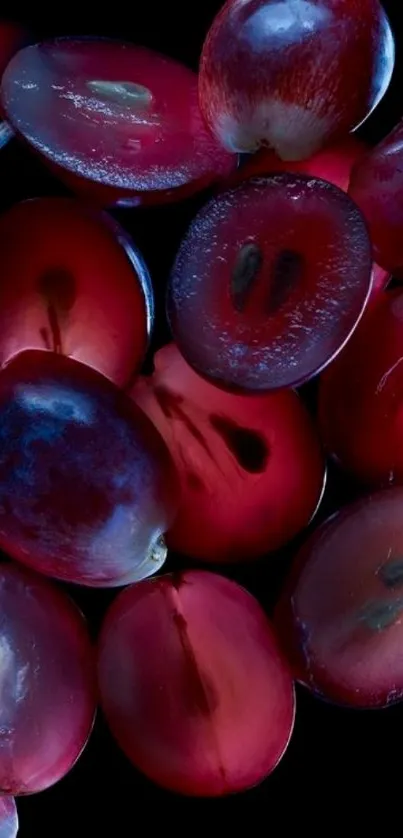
(8, 818)
(119, 122)
(377, 187)
(256, 300)
(380, 281)
(193, 685)
(87, 486)
(251, 470)
(340, 614)
(47, 682)
(72, 282)
(333, 164)
(360, 400)
(293, 75)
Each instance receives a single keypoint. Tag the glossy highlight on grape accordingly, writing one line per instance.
(87, 487)
(251, 469)
(8, 818)
(118, 122)
(340, 615)
(73, 282)
(293, 76)
(193, 684)
(256, 301)
(47, 682)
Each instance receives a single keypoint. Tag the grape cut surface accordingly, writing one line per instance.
(119, 122)
(73, 282)
(251, 469)
(333, 164)
(340, 617)
(87, 487)
(48, 683)
(193, 684)
(270, 282)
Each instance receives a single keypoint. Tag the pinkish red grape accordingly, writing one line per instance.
(340, 614)
(118, 121)
(72, 282)
(193, 685)
(251, 469)
(87, 486)
(8, 818)
(256, 301)
(377, 187)
(295, 75)
(360, 404)
(47, 682)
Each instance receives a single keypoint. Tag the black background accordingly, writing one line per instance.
(337, 758)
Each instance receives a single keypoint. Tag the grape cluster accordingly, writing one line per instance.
(115, 458)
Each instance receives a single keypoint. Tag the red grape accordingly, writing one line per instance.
(340, 614)
(87, 486)
(118, 121)
(193, 685)
(8, 818)
(73, 282)
(47, 682)
(377, 187)
(333, 164)
(293, 75)
(256, 300)
(251, 469)
(380, 281)
(360, 402)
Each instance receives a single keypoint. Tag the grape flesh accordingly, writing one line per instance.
(227, 448)
(117, 122)
(193, 684)
(73, 283)
(333, 164)
(339, 618)
(255, 301)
